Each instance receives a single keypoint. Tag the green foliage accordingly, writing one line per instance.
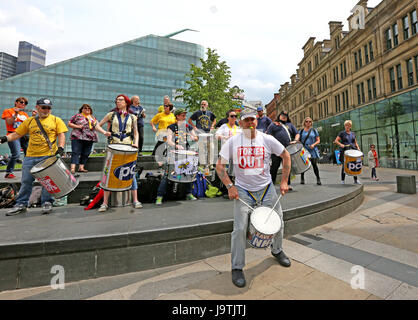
(209, 82)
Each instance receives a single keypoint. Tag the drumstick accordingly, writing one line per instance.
(272, 209)
(246, 204)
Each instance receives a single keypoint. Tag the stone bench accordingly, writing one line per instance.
(406, 184)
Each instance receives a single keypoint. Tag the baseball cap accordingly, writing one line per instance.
(260, 109)
(44, 102)
(179, 111)
(248, 113)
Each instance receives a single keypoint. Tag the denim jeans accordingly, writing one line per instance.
(241, 217)
(162, 188)
(80, 151)
(15, 155)
(27, 182)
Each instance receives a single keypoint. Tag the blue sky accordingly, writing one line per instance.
(260, 40)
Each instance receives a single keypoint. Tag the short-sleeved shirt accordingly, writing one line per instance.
(203, 119)
(348, 139)
(88, 132)
(21, 116)
(309, 140)
(38, 147)
(118, 127)
(137, 111)
(180, 133)
(251, 158)
(163, 120)
(263, 123)
(281, 134)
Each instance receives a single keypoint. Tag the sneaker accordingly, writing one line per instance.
(191, 197)
(377, 179)
(17, 209)
(357, 182)
(159, 201)
(47, 208)
(342, 182)
(10, 176)
(103, 208)
(138, 205)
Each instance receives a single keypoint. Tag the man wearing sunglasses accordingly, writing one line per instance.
(14, 118)
(38, 150)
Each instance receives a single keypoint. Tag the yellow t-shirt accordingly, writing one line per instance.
(163, 120)
(38, 147)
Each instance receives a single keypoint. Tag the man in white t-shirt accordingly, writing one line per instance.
(251, 151)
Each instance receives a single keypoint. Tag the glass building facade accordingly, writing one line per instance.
(150, 67)
(391, 125)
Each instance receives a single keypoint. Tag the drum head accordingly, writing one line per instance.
(43, 164)
(294, 148)
(185, 152)
(260, 222)
(122, 147)
(354, 153)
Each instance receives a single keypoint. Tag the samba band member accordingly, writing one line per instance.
(177, 135)
(251, 151)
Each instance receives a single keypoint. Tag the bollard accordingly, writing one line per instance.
(406, 184)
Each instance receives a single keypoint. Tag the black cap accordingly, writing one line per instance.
(44, 102)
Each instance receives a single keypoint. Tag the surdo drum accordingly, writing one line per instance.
(300, 158)
(182, 166)
(263, 227)
(119, 167)
(353, 162)
(54, 176)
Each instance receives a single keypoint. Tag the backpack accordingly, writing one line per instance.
(199, 186)
(147, 189)
(8, 195)
(35, 197)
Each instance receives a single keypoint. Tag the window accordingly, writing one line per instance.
(366, 54)
(416, 67)
(303, 72)
(309, 67)
(311, 112)
(405, 22)
(344, 106)
(371, 51)
(414, 23)
(358, 95)
(360, 62)
(395, 34)
(374, 88)
(392, 79)
(369, 89)
(399, 75)
(388, 38)
(326, 107)
(325, 82)
(320, 110)
(345, 69)
(319, 86)
(356, 60)
(410, 72)
(363, 97)
(346, 99)
(316, 60)
(311, 91)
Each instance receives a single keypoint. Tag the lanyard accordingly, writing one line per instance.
(258, 202)
(234, 129)
(122, 126)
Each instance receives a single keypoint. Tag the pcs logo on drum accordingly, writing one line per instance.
(126, 171)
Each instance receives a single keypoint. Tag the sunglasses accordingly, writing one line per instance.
(233, 116)
(22, 102)
(46, 108)
(308, 121)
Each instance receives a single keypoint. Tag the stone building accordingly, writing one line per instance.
(368, 74)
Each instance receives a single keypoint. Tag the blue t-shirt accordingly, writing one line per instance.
(136, 111)
(281, 134)
(203, 119)
(311, 139)
(263, 123)
(348, 139)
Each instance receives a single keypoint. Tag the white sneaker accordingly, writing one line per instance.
(103, 208)
(357, 182)
(342, 182)
(138, 205)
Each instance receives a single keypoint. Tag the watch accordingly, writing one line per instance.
(229, 186)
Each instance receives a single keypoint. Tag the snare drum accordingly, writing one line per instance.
(119, 167)
(353, 162)
(263, 227)
(182, 166)
(54, 176)
(300, 158)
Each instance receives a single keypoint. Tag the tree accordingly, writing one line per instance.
(209, 82)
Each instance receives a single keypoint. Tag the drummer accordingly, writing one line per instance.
(38, 150)
(346, 140)
(124, 130)
(228, 129)
(251, 151)
(177, 139)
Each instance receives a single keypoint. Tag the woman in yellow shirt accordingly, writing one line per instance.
(163, 120)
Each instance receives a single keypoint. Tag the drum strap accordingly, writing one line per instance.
(258, 202)
(38, 122)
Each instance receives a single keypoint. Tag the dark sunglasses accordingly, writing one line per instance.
(233, 116)
(46, 108)
(22, 102)
(308, 121)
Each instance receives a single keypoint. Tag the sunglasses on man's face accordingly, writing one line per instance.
(233, 116)
(46, 108)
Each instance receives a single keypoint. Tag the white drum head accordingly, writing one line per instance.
(260, 222)
(185, 152)
(122, 147)
(43, 164)
(354, 153)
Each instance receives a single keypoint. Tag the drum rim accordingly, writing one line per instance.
(121, 144)
(293, 145)
(56, 159)
(361, 154)
(193, 153)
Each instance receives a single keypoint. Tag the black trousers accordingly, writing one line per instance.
(343, 172)
(274, 168)
(141, 138)
(314, 162)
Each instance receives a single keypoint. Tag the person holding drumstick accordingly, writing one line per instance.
(177, 139)
(124, 130)
(251, 151)
(346, 140)
(38, 150)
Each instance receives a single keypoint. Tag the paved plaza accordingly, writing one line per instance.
(371, 253)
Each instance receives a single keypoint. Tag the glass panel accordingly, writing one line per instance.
(401, 108)
(367, 117)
